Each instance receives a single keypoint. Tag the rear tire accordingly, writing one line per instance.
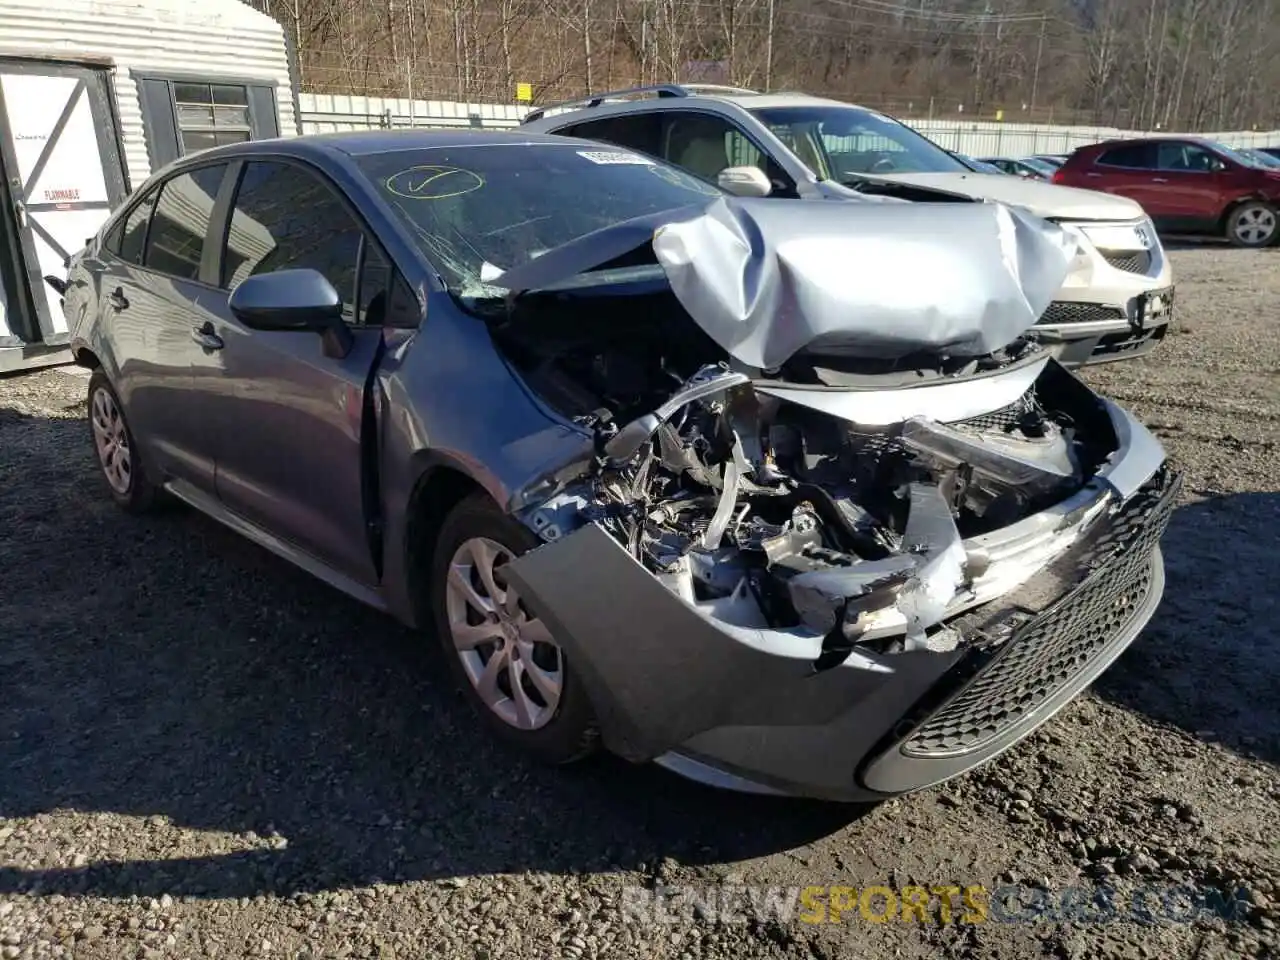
(506, 662)
(1252, 224)
(118, 456)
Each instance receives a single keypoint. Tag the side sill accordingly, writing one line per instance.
(211, 507)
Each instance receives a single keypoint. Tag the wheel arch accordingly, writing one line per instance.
(84, 357)
(439, 488)
(1238, 202)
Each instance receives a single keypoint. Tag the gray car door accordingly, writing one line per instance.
(152, 300)
(287, 421)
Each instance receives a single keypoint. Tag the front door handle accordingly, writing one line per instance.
(118, 299)
(204, 335)
(1159, 180)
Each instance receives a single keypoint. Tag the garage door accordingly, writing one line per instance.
(63, 173)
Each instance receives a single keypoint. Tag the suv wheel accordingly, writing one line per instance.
(1252, 224)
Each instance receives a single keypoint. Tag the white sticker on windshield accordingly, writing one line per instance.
(615, 156)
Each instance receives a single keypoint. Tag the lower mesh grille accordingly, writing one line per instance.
(1062, 311)
(1007, 683)
(1006, 418)
(1130, 261)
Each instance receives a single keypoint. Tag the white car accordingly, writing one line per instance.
(1116, 301)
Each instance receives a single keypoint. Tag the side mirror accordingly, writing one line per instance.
(286, 300)
(293, 300)
(1217, 166)
(745, 182)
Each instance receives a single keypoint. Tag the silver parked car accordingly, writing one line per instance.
(776, 495)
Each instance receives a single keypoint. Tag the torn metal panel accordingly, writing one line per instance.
(767, 279)
(707, 382)
(945, 401)
(1137, 458)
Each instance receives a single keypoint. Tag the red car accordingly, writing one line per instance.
(1186, 185)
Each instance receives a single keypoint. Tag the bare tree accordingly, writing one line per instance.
(1146, 62)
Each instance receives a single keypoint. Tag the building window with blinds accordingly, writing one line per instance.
(211, 115)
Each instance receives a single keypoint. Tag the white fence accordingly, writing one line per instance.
(324, 113)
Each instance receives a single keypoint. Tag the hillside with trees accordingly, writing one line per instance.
(1172, 64)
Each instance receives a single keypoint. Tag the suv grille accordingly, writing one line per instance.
(1065, 311)
(1130, 261)
(1013, 679)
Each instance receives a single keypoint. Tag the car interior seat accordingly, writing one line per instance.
(698, 145)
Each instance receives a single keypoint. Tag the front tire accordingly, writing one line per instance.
(1252, 224)
(119, 460)
(503, 657)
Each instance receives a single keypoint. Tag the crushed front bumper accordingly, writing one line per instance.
(757, 709)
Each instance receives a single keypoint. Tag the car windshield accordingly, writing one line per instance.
(847, 143)
(1263, 159)
(1243, 157)
(480, 209)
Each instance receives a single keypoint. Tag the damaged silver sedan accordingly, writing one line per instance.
(786, 498)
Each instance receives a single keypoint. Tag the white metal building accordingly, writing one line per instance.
(94, 96)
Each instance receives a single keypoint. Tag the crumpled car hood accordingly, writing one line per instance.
(768, 278)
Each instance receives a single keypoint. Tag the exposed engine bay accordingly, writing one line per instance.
(813, 496)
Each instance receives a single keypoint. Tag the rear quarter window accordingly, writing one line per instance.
(129, 235)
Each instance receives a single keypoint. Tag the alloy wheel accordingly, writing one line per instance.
(1254, 225)
(507, 654)
(111, 440)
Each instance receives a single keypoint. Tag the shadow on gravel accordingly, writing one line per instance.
(1209, 661)
(164, 668)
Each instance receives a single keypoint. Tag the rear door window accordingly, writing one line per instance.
(1134, 156)
(175, 242)
(641, 132)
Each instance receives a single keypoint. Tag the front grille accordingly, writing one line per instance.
(1138, 261)
(1007, 418)
(1011, 679)
(1064, 311)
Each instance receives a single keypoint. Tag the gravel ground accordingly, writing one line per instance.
(203, 752)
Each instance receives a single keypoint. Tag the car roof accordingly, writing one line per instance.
(1135, 141)
(364, 143)
(766, 101)
(622, 102)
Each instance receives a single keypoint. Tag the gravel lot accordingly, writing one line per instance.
(205, 753)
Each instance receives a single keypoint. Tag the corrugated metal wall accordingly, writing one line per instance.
(209, 39)
(322, 113)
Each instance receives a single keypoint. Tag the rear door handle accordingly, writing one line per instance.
(1093, 174)
(205, 336)
(118, 299)
(1159, 180)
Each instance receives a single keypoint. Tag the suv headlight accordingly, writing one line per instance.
(1135, 235)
